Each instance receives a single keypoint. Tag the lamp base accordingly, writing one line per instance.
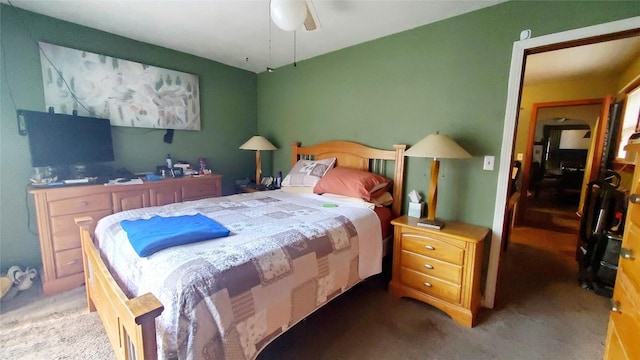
(431, 224)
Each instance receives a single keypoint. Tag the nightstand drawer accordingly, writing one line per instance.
(80, 205)
(432, 267)
(427, 246)
(431, 286)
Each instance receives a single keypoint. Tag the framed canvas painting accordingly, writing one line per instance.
(126, 92)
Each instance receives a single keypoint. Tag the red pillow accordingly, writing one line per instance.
(352, 182)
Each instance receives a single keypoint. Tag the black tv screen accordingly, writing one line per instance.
(60, 139)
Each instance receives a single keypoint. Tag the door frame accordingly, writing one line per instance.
(587, 35)
(528, 155)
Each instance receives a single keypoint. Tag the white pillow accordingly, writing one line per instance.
(384, 200)
(351, 200)
(298, 189)
(308, 172)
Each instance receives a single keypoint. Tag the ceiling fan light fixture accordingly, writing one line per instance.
(288, 15)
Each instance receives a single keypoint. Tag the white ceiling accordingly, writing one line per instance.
(236, 32)
(604, 58)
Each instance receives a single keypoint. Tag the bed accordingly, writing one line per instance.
(230, 297)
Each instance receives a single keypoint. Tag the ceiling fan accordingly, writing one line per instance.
(290, 15)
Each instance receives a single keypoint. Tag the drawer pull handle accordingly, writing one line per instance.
(428, 266)
(615, 306)
(634, 198)
(429, 247)
(72, 262)
(83, 203)
(627, 254)
(427, 284)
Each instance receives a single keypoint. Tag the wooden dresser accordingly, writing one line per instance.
(56, 209)
(624, 321)
(439, 267)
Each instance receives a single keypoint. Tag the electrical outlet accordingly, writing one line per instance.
(520, 156)
(488, 162)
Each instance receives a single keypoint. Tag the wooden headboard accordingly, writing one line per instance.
(355, 155)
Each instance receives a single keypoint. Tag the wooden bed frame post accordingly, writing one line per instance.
(398, 180)
(129, 323)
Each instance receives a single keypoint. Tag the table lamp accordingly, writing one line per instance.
(258, 143)
(436, 146)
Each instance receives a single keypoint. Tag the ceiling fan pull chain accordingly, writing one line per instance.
(294, 49)
(269, 68)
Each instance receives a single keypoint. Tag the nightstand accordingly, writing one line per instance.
(439, 267)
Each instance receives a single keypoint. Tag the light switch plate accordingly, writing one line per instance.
(520, 156)
(488, 162)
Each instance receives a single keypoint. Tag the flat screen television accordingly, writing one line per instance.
(60, 139)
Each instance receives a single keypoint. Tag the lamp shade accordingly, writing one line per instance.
(438, 146)
(288, 15)
(258, 143)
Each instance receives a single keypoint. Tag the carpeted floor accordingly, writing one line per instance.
(34, 327)
(542, 314)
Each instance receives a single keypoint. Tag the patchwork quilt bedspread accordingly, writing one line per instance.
(227, 298)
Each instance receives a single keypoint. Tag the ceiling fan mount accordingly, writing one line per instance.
(290, 15)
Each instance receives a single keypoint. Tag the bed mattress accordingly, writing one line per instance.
(287, 255)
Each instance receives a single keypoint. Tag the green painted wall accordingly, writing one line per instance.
(228, 109)
(449, 76)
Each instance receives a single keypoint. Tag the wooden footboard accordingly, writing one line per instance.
(129, 323)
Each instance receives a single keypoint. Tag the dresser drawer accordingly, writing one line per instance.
(434, 248)
(430, 285)
(196, 190)
(633, 210)
(65, 232)
(68, 262)
(614, 349)
(80, 205)
(432, 267)
(627, 320)
(632, 244)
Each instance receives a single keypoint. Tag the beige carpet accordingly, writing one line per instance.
(57, 327)
(543, 314)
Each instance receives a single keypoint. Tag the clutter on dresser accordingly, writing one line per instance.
(203, 165)
(43, 175)
(278, 180)
(182, 168)
(185, 167)
(125, 181)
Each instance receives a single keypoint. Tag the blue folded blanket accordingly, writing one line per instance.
(150, 235)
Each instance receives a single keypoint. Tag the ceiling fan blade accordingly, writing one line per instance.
(309, 22)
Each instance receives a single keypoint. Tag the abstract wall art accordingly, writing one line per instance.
(126, 92)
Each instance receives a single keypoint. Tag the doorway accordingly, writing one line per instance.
(593, 34)
(559, 140)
